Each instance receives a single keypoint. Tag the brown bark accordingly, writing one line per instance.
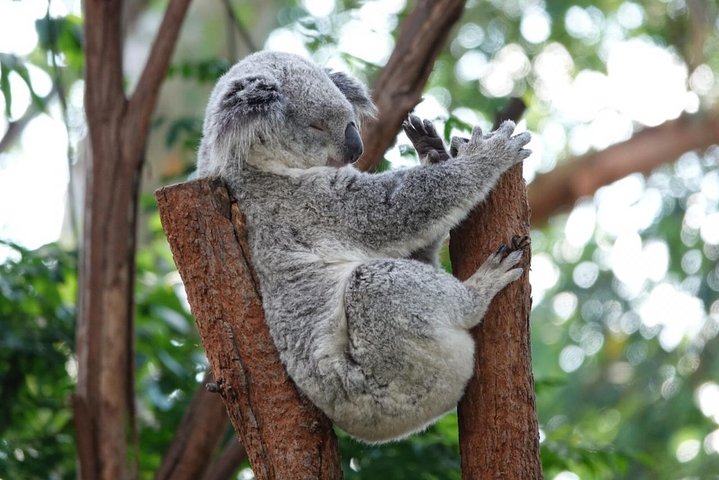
(498, 431)
(645, 151)
(285, 436)
(399, 87)
(103, 402)
(225, 466)
(202, 427)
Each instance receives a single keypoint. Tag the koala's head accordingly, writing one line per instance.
(276, 110)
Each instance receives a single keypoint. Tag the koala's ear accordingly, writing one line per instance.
(356, 93)
(251, 95)
(242, 109)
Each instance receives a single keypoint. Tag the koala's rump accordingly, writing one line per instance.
(377, 347)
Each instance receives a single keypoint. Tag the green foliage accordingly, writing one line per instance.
(37, 298)
(203, 71)
(14, 64)
(62, 35)
(432, 455)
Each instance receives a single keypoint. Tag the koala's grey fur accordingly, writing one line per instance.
(377, 340)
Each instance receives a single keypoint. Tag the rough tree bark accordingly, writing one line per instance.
(118, 127)
(285, 436)
(498, 431)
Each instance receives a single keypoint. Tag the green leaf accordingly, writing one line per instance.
(5, 86)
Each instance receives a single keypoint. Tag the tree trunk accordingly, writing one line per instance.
(285, 436)
(104, 400)
(498, 431)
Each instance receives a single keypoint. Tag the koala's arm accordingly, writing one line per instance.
(430, 149)
(398, 212)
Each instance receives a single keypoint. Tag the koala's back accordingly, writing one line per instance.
(351, 325)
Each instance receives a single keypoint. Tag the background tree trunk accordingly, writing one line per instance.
(646, 150)
(104, 400)
(498, 430)
(284, 434)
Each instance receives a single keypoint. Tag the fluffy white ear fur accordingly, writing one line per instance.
(240, 110)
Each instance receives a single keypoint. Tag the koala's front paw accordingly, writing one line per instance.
(454, 145)
(500, 145)
(499, 270)
(425, 139)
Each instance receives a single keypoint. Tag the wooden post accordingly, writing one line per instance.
(285, 436)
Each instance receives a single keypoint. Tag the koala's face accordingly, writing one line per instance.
(320, 126)
(276, 110)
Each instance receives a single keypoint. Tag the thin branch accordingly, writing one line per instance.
(201, 429)
(143, 100)
(240, 26)
(399, 87)
(498, 431)
(645, 151)
(104, 93)
(15, 129)
(59, 86)
(225, 466)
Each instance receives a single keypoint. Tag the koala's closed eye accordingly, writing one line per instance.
(317, 127)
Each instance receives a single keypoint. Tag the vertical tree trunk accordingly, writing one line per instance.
(118, 127)
(285, 436)
(498, 429)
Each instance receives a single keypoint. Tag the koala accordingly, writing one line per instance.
(370, 330)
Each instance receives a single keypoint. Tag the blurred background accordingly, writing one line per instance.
(622, 103)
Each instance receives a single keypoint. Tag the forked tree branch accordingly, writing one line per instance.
(144, 98)
(104, 401)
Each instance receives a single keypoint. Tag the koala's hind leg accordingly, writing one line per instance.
(404, 322)
(498, 271)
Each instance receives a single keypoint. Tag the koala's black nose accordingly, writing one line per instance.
(353, 143)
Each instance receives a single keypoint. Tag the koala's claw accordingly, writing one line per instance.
(517, 243)
(455, 145)
(425, 139)
(497, 271)
(502, 250)
(521, 242)
(499, 145)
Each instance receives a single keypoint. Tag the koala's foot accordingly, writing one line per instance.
(425, 139)
(500, 145)
(517, 243)
(498, 271)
